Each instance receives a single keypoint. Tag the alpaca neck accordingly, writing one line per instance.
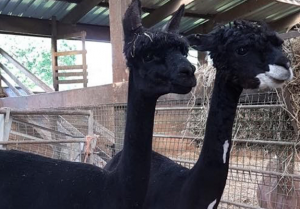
(207, 179)
(134, 165)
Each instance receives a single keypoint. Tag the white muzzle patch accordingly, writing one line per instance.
(275, 77)
(225, 150)
(211, 205)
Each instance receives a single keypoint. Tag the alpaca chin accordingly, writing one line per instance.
(275, 77)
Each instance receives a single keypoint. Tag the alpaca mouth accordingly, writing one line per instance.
(187, 82)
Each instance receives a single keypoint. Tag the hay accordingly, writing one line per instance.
(292, 48)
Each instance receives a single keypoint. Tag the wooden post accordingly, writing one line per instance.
(84, 67)
(1, 88)
(5, 126)
(202, 58)
(53, 51)
(117, 9)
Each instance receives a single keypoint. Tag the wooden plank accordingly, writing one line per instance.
(53, 51)
(70, 74)
(69, 67)
(91, 96)
(36, 140)
(164, 11)
(84, 63)
(72, 35)
(235, 13)
(69, 53)
(16, 92)
(80, 10)
(15, 79)
(42, 28)
(30, 75)
(71, 81)
(289, 35)
(45, 112)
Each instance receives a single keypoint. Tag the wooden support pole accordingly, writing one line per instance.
(53, 53)
(117, 9)
(202, 57)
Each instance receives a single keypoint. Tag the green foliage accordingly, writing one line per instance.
(35, 55)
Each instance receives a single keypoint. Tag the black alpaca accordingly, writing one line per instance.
(247, 56)
(158, 65)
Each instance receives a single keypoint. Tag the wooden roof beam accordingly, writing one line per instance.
(79, 11)
(42, 28)
(234, 13)
(297, 3)
(286, 23)
(163, 12)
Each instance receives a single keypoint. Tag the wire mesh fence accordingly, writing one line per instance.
(264, 163)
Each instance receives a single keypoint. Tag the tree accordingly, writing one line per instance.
(34, 54)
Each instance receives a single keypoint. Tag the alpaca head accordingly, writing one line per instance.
(157, 59)
(249, 54)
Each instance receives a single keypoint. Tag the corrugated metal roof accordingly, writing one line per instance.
(45, 9)
(41, 9)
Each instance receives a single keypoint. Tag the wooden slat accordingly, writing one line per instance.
(69, 67)
(70, 74)
(68, 53)
(72, 35)
(15, 79)
(53, 50)
(70, 81)
(289, 35)
(30, 75)
(17, 93)
(84, 63)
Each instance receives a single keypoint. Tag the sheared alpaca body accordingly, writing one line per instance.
(29, 181)
(246, 56)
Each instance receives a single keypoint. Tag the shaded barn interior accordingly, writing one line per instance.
(87, 124)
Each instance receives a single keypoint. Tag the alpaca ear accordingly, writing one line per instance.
(132, 22)
(174, 23)
(201, 42)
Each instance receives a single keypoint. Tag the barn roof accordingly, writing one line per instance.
(93, 15)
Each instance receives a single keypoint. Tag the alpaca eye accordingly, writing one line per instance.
(242, 51)
(148, 57)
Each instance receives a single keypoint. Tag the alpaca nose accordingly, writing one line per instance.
(187, 70)
(283, 62)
